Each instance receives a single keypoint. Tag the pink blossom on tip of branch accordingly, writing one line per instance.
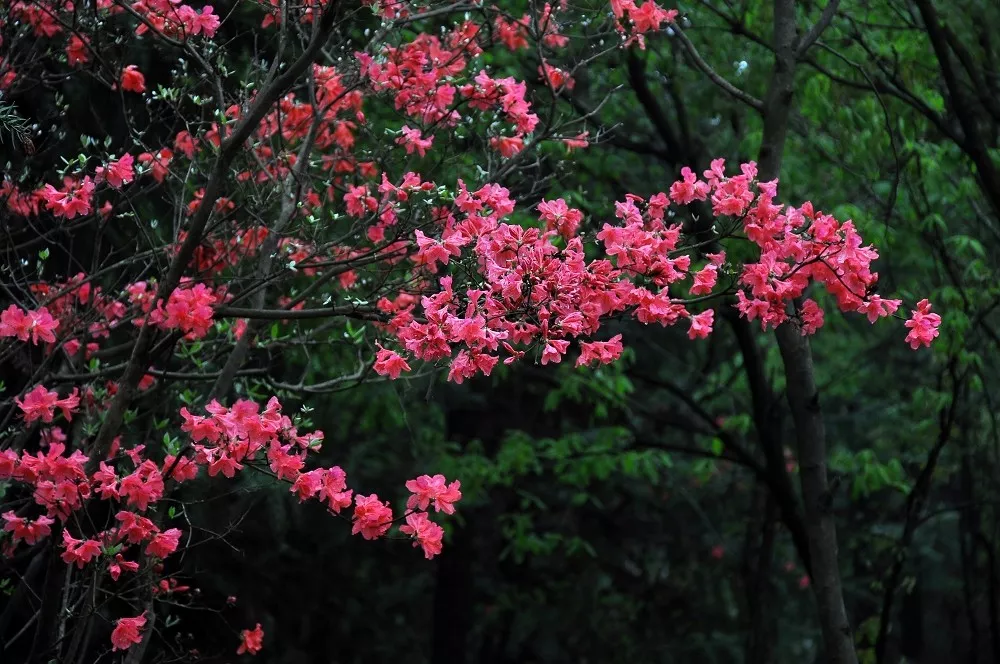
(118, 172)
(251, 641)
(37, 325)
(128, 632)
(923, 325)
(425, 533)
(71, 201)
(165, 543)
(372, 518)
(77, 551)
(701, 325)
(414, 141)
(427, 490)
(133, 80)
(28, 530)
(41, 404)
(390, 363)
(603, 352)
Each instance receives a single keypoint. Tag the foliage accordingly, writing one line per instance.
(392, 219)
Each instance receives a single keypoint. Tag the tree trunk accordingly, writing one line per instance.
(820, 527)
(800, 380)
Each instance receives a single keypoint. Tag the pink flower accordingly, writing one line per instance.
(165, 543)
(875, 307)
(184, 469)
(76, 51)
(38, 325)
(390, 363)
(8, 462)
(372, 517)
(285, 464)
(431, 252)
(923, 325)
(26, 529)
(142, 487)
(427, 489)
(812, 317)
(507, 146)
(189, 309)
(80, 552)
(329, 484)
(119, 564)
(133, 80)
(224, 464)
(555, 77)
(650, 15)
(425, 532)
(705, 280)
(554, 350)
(160, 161)
(689, 188)
(185, 143)
(40, 404)
(701, 325)
(200, 428)
(560, 217)
(414, 141)
(577, 142)
(604, 352)
(358, 202)
(127, 632)
(72, 201)
(106, 482)
(204, 23)
(134, 528)
(120, 172)
(251, 641)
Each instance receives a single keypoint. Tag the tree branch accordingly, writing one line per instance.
(706, 69)
(140, 358)
(817, 29)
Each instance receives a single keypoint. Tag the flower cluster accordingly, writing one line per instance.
(529, 293)
(225, 441)
(37, 325)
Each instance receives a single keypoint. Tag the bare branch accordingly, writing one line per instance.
(818, 27)
(706, 69)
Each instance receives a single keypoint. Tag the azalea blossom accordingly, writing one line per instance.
(133, 80)
(41, 404)
(372, 518)
(425, 533)
(436, 490)
(251, 641)
(127, 632)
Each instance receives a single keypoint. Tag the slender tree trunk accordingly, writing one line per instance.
(820, 527)
(768, 422)
(803, 397)
(968, 523)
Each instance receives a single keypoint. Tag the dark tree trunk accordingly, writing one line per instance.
(803, 397)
